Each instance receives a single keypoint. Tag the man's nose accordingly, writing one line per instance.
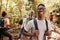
(41, 10)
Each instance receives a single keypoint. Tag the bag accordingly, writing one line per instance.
(1, 22)
(21, 22)
(36, 26)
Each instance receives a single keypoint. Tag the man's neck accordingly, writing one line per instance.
(5, 17)
(41, 18)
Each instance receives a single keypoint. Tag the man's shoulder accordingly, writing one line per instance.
(6, 19)
(33, 20)
(48, 21)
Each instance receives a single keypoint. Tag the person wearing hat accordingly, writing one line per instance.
(41, 24)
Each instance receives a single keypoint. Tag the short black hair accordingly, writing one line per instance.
(41, 5)
(4, 13)
(50, 12)
(21, 22)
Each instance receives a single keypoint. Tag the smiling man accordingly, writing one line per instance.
(44, 26)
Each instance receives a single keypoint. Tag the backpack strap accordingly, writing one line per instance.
(36, 25)
(46, 22)
(1, 22)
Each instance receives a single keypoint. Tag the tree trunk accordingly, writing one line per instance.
(0, 6)
(35, 8)
(6, 4)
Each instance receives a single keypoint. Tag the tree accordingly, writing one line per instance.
(57, 13)
(0, 6)
(34, 3)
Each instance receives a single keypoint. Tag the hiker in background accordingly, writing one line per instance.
(31, 15)
(41, 27)
(5, 25)
(51, 17)
(22, 22)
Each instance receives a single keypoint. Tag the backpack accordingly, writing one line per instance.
(1, 22)
(21, 22)
(36, 27)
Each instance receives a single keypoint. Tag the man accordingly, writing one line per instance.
(41, 24)
(5, 25)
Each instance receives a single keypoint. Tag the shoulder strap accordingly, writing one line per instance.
(1, 22)
(46, 24)
(35, 23)
(36, 26)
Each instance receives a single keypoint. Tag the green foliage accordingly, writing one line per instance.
(57, 12)
(57, 19)
(31, 0)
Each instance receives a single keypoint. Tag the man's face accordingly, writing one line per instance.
(41, 11)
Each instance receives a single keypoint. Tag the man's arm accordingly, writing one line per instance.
(27, 33)
(27, 28)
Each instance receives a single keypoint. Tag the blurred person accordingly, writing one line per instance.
(51, 17)
(22, 22)
(31, 16)
(5, 25)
